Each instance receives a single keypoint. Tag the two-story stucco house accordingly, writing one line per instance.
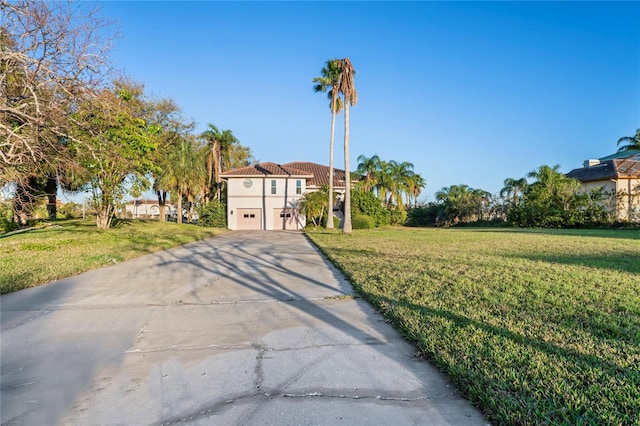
(619, 175)
(265, 196)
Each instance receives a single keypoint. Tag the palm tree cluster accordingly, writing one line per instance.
(395, 183)
(338, 80)
(194, 164)
(461, 203)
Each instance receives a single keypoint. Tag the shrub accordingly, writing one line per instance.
(212, 215)
(366, 203)
(423, 216)
(362, 221)
(397, 217)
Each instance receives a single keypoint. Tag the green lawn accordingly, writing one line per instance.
(70, 247)
(533, 326)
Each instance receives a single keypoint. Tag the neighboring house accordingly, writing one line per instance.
(617, 174)
(265, 196)
(147, 209)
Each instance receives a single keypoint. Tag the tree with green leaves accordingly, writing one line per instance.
(513, 190)
(314, 205)
(174, 129)
(629, 143)
(183, 174)
(329, 83)
(461, 203)
(551, 201)
(347, 88)
(51, 57)
(369, 168)
(399, 173)
(219, 143)
(116, 146)
(415, 183)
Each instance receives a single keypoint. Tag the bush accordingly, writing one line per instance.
(362, 222)
(366, 203)
(397, 217)
(212, 215)
(423, 216)
(6, 218)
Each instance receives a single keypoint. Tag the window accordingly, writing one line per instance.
(273, 186)
(298, 186)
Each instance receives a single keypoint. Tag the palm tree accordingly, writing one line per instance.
(415, 183)
(220, 142)
(397, 184)
(350, 98)
(183, 173)
(329, 83)
(369, 168)
(632, 143)
(513, 189)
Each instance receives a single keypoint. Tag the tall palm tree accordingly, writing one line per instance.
(632, 143)
(415, 184)
(329, 82)
(219, 144)
(350, 98)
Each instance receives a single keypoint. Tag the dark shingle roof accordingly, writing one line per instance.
(320, 173)
(267, 169)
(610, 169)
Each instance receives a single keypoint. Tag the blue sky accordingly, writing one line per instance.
(469, 92)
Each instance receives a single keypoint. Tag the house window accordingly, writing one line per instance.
(273, 186)
(298, 186)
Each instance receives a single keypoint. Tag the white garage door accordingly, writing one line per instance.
(249, 219)
(285, 219)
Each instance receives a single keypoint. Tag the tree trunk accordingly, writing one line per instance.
(51, 189)
(217, 167)
(346, 228)
(191, 208)
(104, 216)
(179, 207)
(207, 187)
(333, 131)
(162, 205)
(25, 199)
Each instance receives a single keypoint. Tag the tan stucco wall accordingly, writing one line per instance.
(259, 196)
(627, 207)
(628, 191)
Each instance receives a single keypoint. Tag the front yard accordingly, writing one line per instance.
(533, 326)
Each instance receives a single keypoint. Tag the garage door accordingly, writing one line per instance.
(249, 219)
(285, 219)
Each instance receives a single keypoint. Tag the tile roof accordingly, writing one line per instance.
(610, 169)
(316, 174)
(267, 169)
(320, 173)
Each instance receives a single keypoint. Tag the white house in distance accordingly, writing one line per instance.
(265, 196)
(617, 174)
(147, 209)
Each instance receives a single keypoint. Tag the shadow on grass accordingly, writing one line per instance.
(624, 261)
(627, 234)
(586, 373)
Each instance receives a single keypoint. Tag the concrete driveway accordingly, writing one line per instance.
(247, 328)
